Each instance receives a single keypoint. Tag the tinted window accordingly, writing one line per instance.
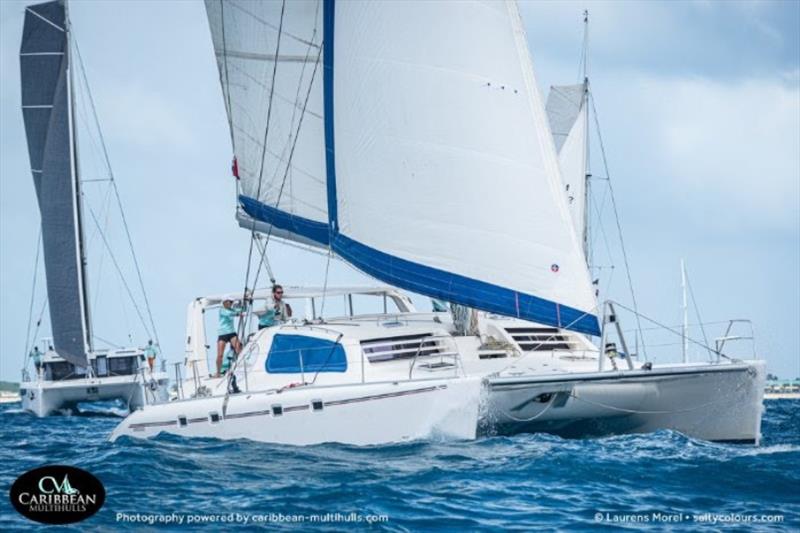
(292, 354)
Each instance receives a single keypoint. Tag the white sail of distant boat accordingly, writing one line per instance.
(568, 116)
(423, 160)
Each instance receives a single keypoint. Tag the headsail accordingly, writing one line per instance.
(566, 110)
(44, 63)
(270, 65)
(442, 175)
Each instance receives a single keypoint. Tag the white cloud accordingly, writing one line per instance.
(725, 155)
(736, 144)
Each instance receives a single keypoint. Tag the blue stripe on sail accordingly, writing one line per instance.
(420, 278)
(329, 8)
(310, 229)
(462, 290)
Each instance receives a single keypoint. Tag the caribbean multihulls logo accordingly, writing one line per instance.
(57, 494)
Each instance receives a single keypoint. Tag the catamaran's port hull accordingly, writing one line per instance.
(361, 414)
(44, 398)
(716, 402)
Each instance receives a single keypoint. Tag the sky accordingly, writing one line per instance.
(698, 104)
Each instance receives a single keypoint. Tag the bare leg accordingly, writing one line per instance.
(151, 361)
(220, 351)
(237, 346)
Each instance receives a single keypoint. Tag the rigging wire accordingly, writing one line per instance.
(118, 198)
(39, 320)
(285, 176)
(28, 341)
(325, 284)
(697, 311)
(619, 225)
(271, 95)
(121, 275)
(243, 323)
(675, 331)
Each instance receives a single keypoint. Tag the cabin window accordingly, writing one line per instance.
(182, 422)
(101, 365)
(293, 354)
(122, 366)
(213, 417)
(60, 370)
(400, 347)
(316, 405)
(277, 410)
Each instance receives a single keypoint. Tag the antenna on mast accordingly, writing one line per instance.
(685, 328)
(584, 54)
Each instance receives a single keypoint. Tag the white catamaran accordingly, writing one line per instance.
(410, 140)
(69, 369)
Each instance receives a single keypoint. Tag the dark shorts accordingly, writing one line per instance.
(227, 337)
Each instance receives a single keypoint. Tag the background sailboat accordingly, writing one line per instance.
(72, 369)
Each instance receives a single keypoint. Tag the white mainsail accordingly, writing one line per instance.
(439, 165)
(283, 184)
(566, 111)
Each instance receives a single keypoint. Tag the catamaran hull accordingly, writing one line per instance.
(360, 414)
(721, 402)
(44, 398)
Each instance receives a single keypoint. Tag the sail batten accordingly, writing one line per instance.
(44, 64)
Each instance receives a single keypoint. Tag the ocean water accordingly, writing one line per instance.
(661, 480)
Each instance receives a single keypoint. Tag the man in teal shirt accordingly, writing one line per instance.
(226, 331)
(150, 352)
(280, 312)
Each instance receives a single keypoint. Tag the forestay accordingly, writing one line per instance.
(566, 111)
(442, 173)
(44, 63)
(270, 65)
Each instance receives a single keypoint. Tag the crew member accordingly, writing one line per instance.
(226, 331)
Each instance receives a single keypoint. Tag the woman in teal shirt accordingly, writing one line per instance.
(226, 331)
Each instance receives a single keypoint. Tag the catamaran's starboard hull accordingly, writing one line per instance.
(44, 398)
(361, 414)
(722, 402)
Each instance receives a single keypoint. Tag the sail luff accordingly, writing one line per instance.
(80, 237)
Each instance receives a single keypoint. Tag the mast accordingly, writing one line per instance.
(685, 343)
(80, 238)
(587, 172)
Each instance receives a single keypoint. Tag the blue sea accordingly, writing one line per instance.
(657, 481)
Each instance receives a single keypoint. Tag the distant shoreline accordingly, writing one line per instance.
(9, 386)
(782, 396)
